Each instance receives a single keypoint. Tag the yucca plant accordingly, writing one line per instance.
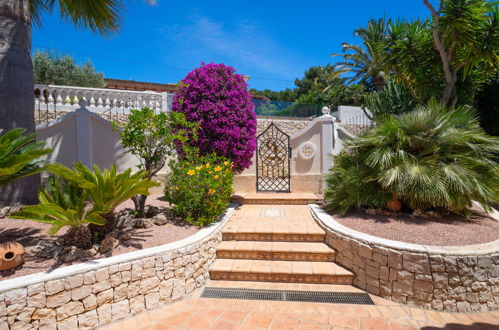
(106, 189)
(64, 204)
(20, 155)
(431, 157)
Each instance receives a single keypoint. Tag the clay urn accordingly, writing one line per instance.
(394, 204)
(11, 255)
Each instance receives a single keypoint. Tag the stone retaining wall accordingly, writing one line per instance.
(287, 125)
(462, 279)
(96, 293)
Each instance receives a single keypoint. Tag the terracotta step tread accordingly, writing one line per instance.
(279, 267)
(276, 198)
(283, 286)
(260, 246)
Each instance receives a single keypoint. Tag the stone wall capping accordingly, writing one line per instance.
(325, 220)
(81, 268)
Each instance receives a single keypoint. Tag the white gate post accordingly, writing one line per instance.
(327, 137)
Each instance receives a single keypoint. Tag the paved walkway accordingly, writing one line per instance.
(221, 314)
(281, 233)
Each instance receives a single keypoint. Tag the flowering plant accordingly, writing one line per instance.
(199, 187)
(217, 98)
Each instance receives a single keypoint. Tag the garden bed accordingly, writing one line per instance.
(29, 233)
(450, 230)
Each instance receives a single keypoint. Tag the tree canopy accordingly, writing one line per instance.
(51, 68)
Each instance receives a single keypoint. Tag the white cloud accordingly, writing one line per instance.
(245, 44)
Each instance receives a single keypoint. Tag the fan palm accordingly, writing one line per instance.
(366, 63)
(16, 71)
(20, 155)
(431, 157)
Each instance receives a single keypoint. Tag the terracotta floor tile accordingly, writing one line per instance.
(234, 316)
(209, 313)
(281, 267)
(199, 322)
(345, 322)
(259, 319)
(261, 266)
(309, 325)
(225, 325)
(242, 265)
(177, 319)
(374, 324)
(395, 326)
(283, 323)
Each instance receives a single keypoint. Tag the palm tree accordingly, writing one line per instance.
(366, 62)
(16, 71)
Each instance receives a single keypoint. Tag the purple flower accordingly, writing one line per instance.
(217, 97)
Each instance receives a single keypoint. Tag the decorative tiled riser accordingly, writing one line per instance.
(278, 202)
(273, 237)
(228, 276)
(431, 281)
(97, 297)
(275, 256)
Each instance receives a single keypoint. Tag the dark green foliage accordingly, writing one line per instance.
(63, 203)
(20, 155)
(431, 157)
(487, 102)
(49, 68)
(393, 99)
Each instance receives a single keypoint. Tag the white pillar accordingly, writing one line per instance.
(164, 102)
(83, 134)
(327, 135)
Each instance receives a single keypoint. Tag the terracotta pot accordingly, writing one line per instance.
(394, 204)
(11, 255)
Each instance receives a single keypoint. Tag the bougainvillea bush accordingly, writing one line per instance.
(199, 187)
(216, 97)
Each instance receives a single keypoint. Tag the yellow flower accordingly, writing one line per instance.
(216, 177)
(209, 172)
(199, 168)
(177, 188)
(191, 172)
(226, 163)
(208, 165)
(218, 168)
(211, 191)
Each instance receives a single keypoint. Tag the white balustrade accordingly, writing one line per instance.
(99, 100)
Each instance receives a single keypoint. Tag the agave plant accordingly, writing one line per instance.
(20, 155)
(431, 157)
(64, 204)
(106, 189)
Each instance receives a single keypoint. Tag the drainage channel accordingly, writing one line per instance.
(358, 298)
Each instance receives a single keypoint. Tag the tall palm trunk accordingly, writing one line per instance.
(16, 87)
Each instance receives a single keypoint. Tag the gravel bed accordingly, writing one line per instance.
(26, 232)
(452, 230)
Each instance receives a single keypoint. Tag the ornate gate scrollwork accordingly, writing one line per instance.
(273, 161)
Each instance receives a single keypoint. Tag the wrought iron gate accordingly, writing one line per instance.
(273, 160)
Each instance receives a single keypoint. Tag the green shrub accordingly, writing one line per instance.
(200, 187)
(63, 203)
(152, 138)
(431, 157)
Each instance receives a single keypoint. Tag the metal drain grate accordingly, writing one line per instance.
(359, 298)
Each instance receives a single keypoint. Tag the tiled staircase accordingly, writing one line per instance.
(276, 243)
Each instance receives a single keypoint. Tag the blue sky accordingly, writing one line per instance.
(271, 41)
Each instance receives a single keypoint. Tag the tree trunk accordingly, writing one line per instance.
(139, 201)
(16, 88)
